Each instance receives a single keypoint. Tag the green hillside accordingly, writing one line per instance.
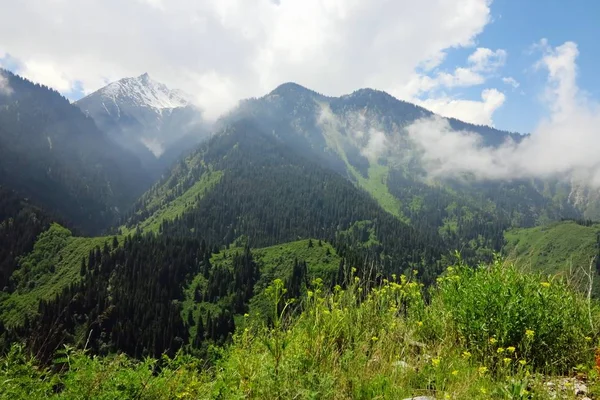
(166, 204)
(275, 262)
(564, 248)
(52, 265)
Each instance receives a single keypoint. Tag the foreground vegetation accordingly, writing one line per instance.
(490, 332)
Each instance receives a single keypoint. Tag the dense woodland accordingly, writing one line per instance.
(52, 153)
(20, 225)
(266, 178)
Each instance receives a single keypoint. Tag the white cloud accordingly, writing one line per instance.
(376, 145)
(480, 65)
(423, 89)
(565, 145)
(47, 74)
(475, 112)
(509, 80)
(333, 46)
(486, 60)
(5, 88)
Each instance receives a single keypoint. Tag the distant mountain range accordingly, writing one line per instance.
(323, 186)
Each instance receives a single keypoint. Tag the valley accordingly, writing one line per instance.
(133, 228)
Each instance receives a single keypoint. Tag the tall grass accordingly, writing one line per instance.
(489, 332)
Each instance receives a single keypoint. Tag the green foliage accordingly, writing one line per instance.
(52, 265)
(564, 248)
(497, 307)
(361, 343)
(167, 203)
(111, 377)
(41, 260)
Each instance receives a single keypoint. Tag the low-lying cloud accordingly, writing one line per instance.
(5, 88)
(565, 145)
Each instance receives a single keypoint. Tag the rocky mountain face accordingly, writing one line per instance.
(146, 117)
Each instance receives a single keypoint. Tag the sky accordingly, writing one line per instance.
(481, 61)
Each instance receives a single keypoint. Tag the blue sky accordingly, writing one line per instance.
(515, 27)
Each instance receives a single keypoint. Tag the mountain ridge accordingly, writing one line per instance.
(144, 116)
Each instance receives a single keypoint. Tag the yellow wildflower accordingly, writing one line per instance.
(493, 340)
(500, 350)
(455, 372)
(510, 349)
(420, 323)
(588, 339)
(522, 362)
(545, 284)
(435, 362)
(507, 360)
(374, 338)
(483, 390)
(466, 354)
(482, 370)
(529, 333)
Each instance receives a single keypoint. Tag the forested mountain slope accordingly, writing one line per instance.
(244, 183)
(55, 155)
(363, 136)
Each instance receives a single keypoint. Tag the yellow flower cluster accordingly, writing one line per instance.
(529, 333)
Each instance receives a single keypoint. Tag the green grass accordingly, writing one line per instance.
(564, 248)
(376, 182)
(376, 185)
(169, 210)
(276, 259)
(52, 265)
(488, 333)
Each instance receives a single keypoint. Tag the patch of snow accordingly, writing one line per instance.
(104, 105)
(144, 91)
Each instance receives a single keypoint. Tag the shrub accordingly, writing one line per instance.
(494, 308)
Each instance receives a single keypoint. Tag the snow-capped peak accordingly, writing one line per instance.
(144, 91)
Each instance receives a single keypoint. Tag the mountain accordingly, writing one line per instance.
(51, 153)
(146, 117)
(245, 185)
(363, 137)
(311, 192)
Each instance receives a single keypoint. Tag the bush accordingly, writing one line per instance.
(494, 308)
